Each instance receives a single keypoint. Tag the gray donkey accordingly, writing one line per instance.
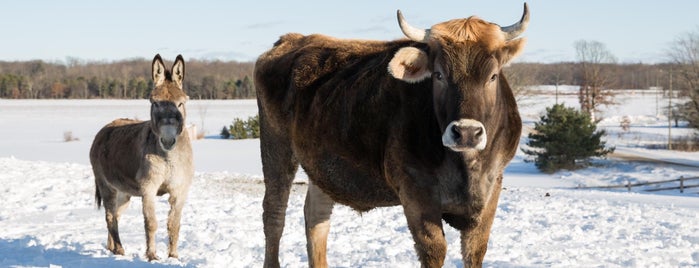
(146, 158)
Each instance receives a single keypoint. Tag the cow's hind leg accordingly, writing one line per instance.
(279, 167)
(317, 210)
(474, 242)
(173, 221)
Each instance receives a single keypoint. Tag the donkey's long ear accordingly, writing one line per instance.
(158, 70)
(178, 70)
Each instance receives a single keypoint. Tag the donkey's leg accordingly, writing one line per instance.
(317, 210)
(176, 201)
(474, 242)
(109, 201)
(279, 168)
(121, 202)
(151, 224)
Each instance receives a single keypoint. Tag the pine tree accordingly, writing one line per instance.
(253, 126)
(225, 133)
(565, 139)
(238, 129)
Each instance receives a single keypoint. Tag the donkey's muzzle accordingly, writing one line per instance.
(167, 144)
(168, 137)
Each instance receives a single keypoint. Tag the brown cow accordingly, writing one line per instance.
(428, 123)
(146, 158)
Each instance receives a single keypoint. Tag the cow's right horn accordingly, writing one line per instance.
(411, 32)
(514, 30)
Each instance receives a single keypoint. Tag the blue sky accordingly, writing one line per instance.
(634, 31)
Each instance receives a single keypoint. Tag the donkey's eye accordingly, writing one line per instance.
(437, 75)
(180, 105)
(493, 78)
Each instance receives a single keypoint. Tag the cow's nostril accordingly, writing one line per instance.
(456, 132)
(478, 132)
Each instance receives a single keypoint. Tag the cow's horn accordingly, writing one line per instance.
(514, 30)
(411, 32)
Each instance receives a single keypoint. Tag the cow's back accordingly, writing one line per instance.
(299, 69)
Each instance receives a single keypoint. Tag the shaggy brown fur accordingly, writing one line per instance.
(370, 135)
(147, 159)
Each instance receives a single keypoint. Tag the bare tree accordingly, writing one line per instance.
(593, 57)
(684, 53)
(521, 78)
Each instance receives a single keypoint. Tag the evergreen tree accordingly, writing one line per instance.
(565, 139)
(225, 133)
(253, 126)
(238, 129)
(248, 129)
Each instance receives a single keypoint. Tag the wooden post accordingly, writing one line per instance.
(628, 185)
(681, 184)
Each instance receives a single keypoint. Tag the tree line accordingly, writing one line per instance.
(125, 79)
(131, 79)
(620, 75)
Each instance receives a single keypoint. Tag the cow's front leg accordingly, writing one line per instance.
(474, 241)
(423, 211)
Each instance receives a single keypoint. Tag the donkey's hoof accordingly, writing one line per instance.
(152, 257)
(117, 251)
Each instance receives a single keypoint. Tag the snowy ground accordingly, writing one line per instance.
(48, 217)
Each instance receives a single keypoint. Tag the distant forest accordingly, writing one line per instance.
(617, 76)
(131, 79)
(126, 79)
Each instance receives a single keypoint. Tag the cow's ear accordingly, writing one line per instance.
(410, 65)
(511, 50)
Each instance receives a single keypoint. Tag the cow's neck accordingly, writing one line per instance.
(465, 185)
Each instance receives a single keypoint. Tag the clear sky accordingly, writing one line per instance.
(634, 31)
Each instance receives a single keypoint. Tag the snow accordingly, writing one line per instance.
(48, 216)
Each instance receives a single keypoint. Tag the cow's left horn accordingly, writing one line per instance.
(411, 32)
(514, 30)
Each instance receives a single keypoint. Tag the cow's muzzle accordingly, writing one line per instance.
(464, 135)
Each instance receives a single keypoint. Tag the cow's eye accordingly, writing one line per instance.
(494, 77)
(437, 75)
(180, 105)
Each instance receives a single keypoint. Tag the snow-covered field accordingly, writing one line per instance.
(48, 216)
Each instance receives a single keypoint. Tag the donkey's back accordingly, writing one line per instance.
(116, 153)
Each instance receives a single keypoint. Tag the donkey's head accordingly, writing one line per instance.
(167, 111)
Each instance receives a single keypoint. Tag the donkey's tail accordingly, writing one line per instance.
(98, 197)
